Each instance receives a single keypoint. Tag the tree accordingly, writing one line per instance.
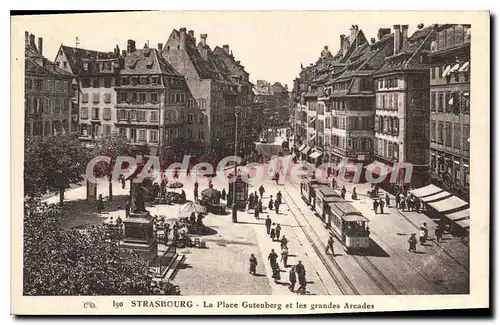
(109, 146)
(52, 163)
(80, 262)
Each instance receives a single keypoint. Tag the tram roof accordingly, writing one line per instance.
(347, 212)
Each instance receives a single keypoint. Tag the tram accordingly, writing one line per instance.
(308, 190)
(349, 226)
(324, 196)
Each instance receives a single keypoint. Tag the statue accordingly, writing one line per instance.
(137, 198)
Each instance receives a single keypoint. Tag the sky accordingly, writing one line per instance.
(271, 45)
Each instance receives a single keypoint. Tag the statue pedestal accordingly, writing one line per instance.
(139, 234)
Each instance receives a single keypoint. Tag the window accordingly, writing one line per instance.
(124, 80)
(123, 97)
(154, 97)
(95, 83)
(134, 97)
(448, 134)
(466, 135)
(153, 135)
(154, 80)
(95, 113)
(107, 129)
(142, 135)
(433, 73)
(466, 103)
(142, 97)
(183, 98)
(440, 103)
(122, 132)
(107, 98)
(177, 98)
(433, 131)
(141, 116)
(153, 116)
(85, 83)
(95, 98)
(65, 64)
(433, 101)
(107, 82)
(85, 98)
(190, 118)
(106, 113)
(448, 102)
(440, 131)
(121, 115)
(84, 114)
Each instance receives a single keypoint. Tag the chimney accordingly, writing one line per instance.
(225, 48)
(420, 26)
(382, 32)
(352, 36)
(397, 38)
(238, 62)
(191, 33)
(160, 47)
(124, 53)
(117, 50)
(325, 47)
(40, 45)
(26, 38)
(32, 40)
(130, 46)
(404, 33)
(182, 41)
(344, 44)
(203, 39)
(372, 40)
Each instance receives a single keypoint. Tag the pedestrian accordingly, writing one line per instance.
(376, 189)
(329, 246)
(402, 204)
(381, 204)
(268, 224)
(375, 206)
(387, 200)
(123, 181)
(284, 242)
(413, 243)
(278, 231)
(398, 199)
(438, 232)
(250, 201)
(284, 256)
(334, 184)
(100, 204)
(127, 209)
(276, 272)
(426, 230)
(422, 236)
(417, 205)
(261, 191)
(167, 231)
(273, 232)
(192, 218)
(354, 195)
(272, 257)
(279, 196)
(342, 192)
(271, 203)
(261, 209)
(292, 277)
(223, 194)
(195, 194)
(277, 206)
(302, 281)
(256, 213)
(253, 264)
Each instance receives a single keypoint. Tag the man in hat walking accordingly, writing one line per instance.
(269, 222)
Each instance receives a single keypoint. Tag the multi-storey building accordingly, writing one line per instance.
(216, 92)
(96, 76)
(353, 102)
(154, 107)
(276, 102)
(450, 108)
(48, 93)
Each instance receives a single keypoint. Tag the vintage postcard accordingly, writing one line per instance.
(250, 162)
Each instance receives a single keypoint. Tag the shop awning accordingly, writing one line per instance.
(315, 154)
(426, 191)
(455, 67)
(459, 215)
(313, 119)
(464, 67)
(302, 147)
(446, 71)
(305, 149)
(379, 168)
(447, 204)
(313, 137)
(435, 197)
(463, 223)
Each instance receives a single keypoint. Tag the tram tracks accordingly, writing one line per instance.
(344, 283)
(336, 272)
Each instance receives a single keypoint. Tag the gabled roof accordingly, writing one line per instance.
(147, 61)
(278, 88)
(76, 57)
(36, 63)
(408, 57)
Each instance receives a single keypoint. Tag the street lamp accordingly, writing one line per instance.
(235, 212)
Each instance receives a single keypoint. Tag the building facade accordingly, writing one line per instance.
(450, 109)
(275, 99)
(96, 76)
(48, 93)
